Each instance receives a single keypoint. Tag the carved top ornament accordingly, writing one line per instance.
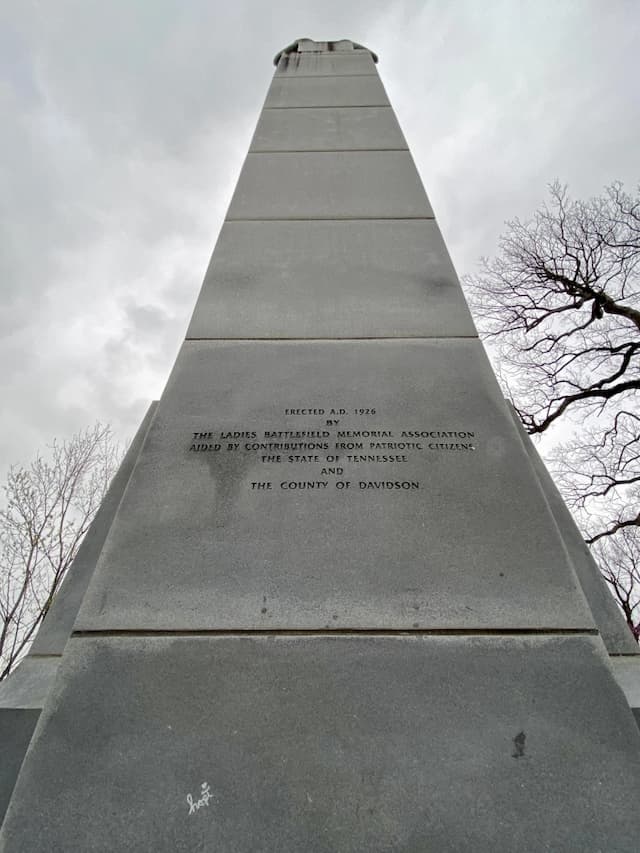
(306, 45)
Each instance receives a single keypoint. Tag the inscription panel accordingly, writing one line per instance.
(333, 485)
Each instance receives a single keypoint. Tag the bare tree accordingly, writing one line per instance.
(619, 559)
(47, 510)
(559, 306)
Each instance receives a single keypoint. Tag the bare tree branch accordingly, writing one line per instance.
(559, 308)
(47, 510)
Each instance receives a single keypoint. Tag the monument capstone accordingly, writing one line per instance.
(334, 602)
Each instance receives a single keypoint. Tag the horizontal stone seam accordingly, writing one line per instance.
(326, 218)
(334, 632)
(346, 339)
(328, 107)
(334, 219)
(294, 75)
(331, 219)
(329, 76)
(321, 150)
(335, 107)
(327, 150)
(22, 706)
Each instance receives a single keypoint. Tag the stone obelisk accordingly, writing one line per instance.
(339, 607)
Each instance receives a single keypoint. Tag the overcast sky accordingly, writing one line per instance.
(125, 123)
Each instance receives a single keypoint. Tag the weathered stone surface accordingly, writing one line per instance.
(16, 729)
(326, 64)
(357, 743)
(24, 692)
(326, 92)
(330, 185)
(22, 695)
(328, 48)
(340, 129)
(307, 45)
(466, 540)
(626, 670)
(322, 279)
(617, 637)
(29, 683)
(57, 626)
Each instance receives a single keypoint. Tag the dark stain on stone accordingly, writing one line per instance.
(228, 470)
(518, 743)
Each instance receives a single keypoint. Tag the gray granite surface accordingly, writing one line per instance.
(328, 279)
(615, 632)
(326, 64)
(16, 729)
(327, 92)
(446, 531)
(29, 683)
(330, 185)
(325, 744)
(339, 129)
(626, 669)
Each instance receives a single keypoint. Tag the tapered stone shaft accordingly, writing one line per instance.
(335, 610)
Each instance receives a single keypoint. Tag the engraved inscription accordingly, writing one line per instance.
(331, 451)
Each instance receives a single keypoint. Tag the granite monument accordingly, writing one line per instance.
(338, 604)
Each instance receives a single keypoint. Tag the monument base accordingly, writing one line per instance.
(331, 743)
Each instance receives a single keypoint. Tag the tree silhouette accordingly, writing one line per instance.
(559, 309)
(48, 508)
